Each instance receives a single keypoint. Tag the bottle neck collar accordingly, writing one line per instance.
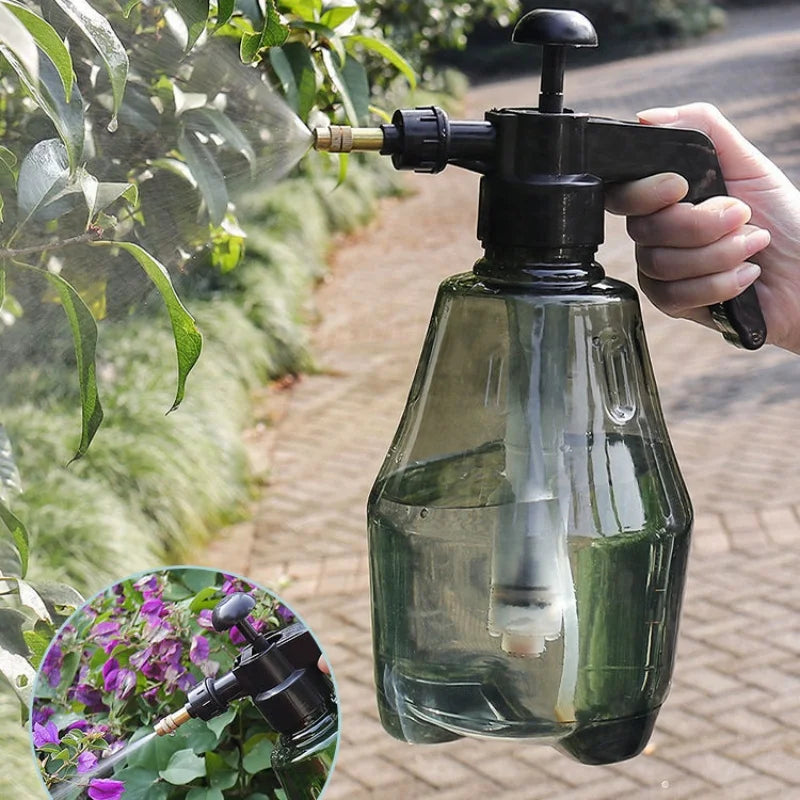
(551, 269)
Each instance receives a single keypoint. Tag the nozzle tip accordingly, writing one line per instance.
(344, 139)
(171, 723)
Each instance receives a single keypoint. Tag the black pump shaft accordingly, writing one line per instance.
(554, 30)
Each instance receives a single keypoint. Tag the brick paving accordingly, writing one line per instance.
(731, 727)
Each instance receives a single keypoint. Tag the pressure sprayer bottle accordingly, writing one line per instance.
(529, 528)
(279, 672)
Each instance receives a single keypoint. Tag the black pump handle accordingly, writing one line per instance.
(233, 610)
(624, 151)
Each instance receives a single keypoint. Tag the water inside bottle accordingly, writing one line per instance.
(436, 528)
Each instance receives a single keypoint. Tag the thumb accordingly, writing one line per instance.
(739, 159)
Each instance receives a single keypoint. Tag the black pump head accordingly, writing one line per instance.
(278, 671)
(554, 29)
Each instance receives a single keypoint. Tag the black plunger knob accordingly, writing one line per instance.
(554, 29)
(233, 610)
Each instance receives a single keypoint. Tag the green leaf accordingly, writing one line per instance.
(389, 53)
(47, 91)
(324, 34)
(258, 750)
(337, 79)
(12, 637)
(29, 597)
(16, 39)
(7, 157)
(201, 793)
(19, 674)
(188, 340)
(84, 334)
(207, 173)
(221, 721)
(305, 9)
(344, 161)
(99, 32)
(47, 39)
(100, 196)
(195, 14)
(334, 17)
(184, 767)
(61, 600)
(197, 579)
(273, 34)
(142, 784)
(37, 644)
(44, 172)
(294, 66)
(357, 82)
(224, 11)
(19, 536)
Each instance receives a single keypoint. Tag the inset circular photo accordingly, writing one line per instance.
(185, 684)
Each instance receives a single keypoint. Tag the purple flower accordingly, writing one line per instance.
(51, 666)
(110, 672)
(153, 610)
(79, 725)
(284, 613)
(42, 714)
(106, 789)
(147, 585)
(204, 619)
(151, 695)
(233, 584)
(89, 696)
(120, 681)
(107, 635)
(45, 734)
(236, 637)
(198, 652)
(87, 761)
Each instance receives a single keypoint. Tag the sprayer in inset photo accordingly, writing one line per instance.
(529, 528)
(279, 673)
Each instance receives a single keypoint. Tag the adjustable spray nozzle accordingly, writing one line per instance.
(278, 671)
(545, 168)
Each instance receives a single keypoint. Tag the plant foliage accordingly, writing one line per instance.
(126, 129)
(126, 660)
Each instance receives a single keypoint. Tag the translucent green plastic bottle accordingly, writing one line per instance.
(529, 528)
(303, 760)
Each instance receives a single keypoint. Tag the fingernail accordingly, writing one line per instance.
(671, 188)
(659, 116)
(756, 240)
(746, 274)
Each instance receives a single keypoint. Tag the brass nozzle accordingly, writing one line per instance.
(344, 139)
(171, 723)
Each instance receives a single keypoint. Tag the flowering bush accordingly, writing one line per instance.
(126, 660)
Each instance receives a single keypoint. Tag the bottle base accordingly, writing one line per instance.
(610, 741)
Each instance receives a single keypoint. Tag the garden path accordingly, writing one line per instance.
(731, 728)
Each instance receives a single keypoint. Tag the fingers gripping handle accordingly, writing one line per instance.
(648, 150)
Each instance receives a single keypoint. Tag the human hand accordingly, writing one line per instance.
(690, 257)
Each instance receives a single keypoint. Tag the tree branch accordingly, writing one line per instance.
(57, 244)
